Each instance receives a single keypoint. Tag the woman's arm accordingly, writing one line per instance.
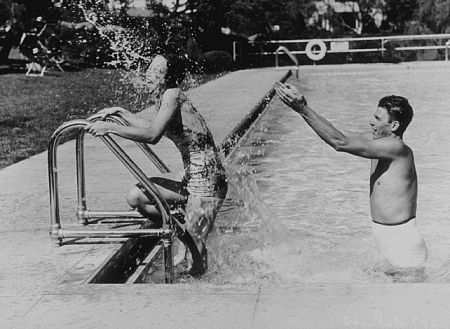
(141, 120)
(150, 133)
(133, 119)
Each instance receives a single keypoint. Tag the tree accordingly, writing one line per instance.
(399, 12)
(260, 17)
(435, 14)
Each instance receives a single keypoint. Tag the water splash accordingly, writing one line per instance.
(245, 230)
(257, 246)
(133, 43)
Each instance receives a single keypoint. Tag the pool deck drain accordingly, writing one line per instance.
(42, 285)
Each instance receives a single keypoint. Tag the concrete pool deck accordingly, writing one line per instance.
(42, 285)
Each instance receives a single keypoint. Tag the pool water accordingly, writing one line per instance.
(312, 202)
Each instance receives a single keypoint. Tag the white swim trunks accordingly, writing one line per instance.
(401, 245)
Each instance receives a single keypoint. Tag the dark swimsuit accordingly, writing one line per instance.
(204, 173)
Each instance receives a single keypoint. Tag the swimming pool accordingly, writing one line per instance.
(318, 199)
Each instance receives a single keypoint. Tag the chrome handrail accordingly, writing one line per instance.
(121, 155)
(287, 52)
(167, 231)
(160, 165)
(83, 214)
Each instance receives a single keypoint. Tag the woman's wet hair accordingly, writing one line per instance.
(176, 70)
(398, 109)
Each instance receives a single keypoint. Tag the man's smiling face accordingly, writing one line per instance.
(381, 124)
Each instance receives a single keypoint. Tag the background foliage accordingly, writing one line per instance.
(194, 27)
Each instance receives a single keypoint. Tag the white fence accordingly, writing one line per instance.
(316, 49)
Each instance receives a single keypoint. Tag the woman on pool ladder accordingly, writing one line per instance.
(203, 187)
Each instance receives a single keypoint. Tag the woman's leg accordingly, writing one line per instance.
(173, 191)
(201, 213)
(200, 216)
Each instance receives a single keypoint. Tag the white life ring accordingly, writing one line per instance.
(314, 54)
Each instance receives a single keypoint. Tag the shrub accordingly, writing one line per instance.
(216, 61)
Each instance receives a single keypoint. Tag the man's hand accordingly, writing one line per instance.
(290, 96)
(110, 111)
(98, 128)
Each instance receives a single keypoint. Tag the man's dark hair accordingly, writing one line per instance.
(176, 70)
(398, 109)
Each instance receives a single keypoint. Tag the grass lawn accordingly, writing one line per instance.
(31, 108)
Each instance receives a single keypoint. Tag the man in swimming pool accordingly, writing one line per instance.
(393, 178)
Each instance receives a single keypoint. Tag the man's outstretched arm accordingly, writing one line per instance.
(356, 144)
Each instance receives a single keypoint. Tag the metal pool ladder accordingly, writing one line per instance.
(170, 225)
(291, 56)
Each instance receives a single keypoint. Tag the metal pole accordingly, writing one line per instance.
(81, 182)
(161, 203)
(287, 52)
(55, 221)
(90, 214)
(447, 45)
(168, 259)
(113, 233)
(154, 158)
(234, 51)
